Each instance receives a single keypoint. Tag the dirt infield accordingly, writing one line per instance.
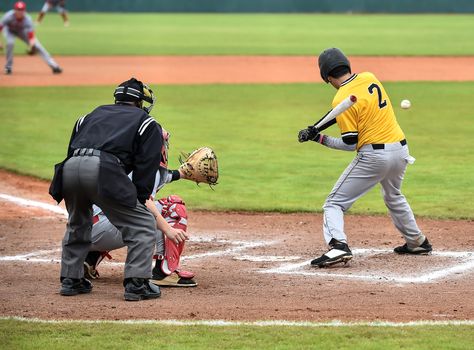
(92, 70)
(248, 266)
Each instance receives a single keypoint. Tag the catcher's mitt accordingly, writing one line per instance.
(200, 166)
(31, 50)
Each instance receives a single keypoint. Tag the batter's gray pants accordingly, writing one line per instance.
(370, 167)
(137, 225)
(10, 41)
(106, 237)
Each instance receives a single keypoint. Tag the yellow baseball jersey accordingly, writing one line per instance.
(371, 118)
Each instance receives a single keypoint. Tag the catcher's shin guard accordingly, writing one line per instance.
(174, 212)
(166, 271)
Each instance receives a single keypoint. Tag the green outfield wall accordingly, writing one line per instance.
(261, 6)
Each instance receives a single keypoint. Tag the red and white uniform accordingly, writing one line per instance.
(22, 29)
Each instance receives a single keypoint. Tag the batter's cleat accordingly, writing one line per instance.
(339, 252)
(8, 71)
(424, 249)
(139, 288)
(74, 286)
(57, 70)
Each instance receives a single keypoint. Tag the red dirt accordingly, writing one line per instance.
(92, 70)
(233, 288)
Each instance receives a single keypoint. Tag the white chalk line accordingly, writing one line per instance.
(30, 203)
(465, 262)
(266, 258)
(273, 323)
(239, 246)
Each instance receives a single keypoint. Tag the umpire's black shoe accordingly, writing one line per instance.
(74, 286)
(424, 249)
(139, 288)
(8, 71)
(338, 252)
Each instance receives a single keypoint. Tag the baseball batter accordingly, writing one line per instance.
(60, 7)
(171, 224)
(17, 23)
(370, 128)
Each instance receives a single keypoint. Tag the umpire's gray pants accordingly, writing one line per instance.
(106, 237)
(10, 41)
(370, 167)
(137, 225)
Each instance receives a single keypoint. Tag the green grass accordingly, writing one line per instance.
(265, 34)
(26, 335)
(253, 130)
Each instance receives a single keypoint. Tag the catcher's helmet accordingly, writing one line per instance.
(134, 90)
(330, 59)
(20, 6)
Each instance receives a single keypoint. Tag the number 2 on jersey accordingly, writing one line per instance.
(371, 88)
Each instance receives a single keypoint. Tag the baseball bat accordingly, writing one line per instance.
(343, 106)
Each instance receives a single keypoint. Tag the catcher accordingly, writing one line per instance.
(171, 220)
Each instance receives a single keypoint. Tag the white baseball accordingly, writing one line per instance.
(405, 104)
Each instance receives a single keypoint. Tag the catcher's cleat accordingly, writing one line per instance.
(177, 278)
(424, 249)
(90, 265)
(173, 280)
(139, 289)
(57, 70)
(339, 252)
(74, 286)
(8, 71)
(93, 260)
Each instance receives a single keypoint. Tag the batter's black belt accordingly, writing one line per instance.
(382, 145)
(81, 152)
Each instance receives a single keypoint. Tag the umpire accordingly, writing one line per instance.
(105, 146)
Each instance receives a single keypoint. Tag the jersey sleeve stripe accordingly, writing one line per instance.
(79, 122)
(144, 125)
(147, 120)
(350, 133)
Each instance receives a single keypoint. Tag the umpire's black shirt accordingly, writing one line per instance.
(128, 133)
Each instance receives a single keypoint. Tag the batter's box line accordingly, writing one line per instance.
(50, 256)
(35, 204)
(427, 277)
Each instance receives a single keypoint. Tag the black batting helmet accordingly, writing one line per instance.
(330, 59)
(134, 90)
